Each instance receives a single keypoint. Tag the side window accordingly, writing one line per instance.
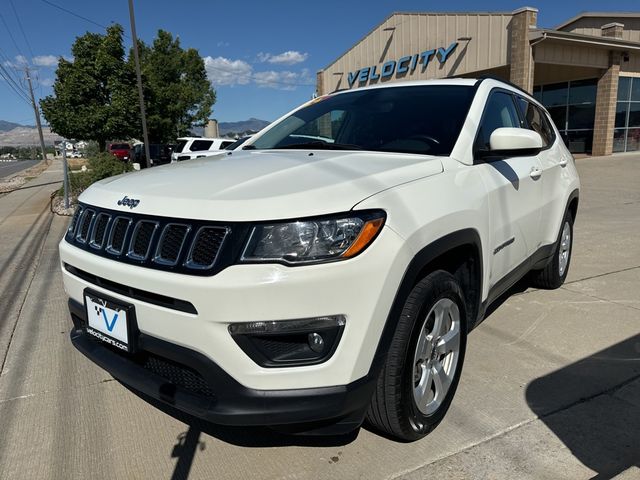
(536, 120)
(199, 145)
(499, 112)
(224, 145)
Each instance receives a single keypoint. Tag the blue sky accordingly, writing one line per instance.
(261, 56)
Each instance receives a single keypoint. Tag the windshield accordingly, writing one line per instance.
(418, 119)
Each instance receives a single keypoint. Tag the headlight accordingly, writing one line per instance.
(313, 240)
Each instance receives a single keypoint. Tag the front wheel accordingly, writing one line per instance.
(423, 365)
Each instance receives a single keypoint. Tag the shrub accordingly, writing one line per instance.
(102, 165)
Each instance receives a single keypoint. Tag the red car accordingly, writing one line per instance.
(121, 150)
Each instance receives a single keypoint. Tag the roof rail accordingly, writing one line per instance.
(493, 77)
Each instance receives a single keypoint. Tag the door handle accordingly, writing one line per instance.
(535, 173)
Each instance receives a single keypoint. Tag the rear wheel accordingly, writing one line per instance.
(555, 273)
(423, 366)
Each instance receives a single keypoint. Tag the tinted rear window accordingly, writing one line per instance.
(120, 146)
(199, 145)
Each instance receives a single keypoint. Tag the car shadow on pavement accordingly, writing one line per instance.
(593, 407)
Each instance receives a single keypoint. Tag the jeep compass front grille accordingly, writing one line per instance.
(185, 246)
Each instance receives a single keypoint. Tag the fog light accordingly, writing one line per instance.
(306, 341)
(316, 342)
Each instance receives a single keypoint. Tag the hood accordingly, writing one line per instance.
(261, 185)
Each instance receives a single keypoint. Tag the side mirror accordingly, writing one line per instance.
(515, 141)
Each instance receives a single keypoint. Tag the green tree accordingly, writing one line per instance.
(95, 94)
(178, 94)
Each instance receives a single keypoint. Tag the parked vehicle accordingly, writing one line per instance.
(160, 154)
(121, 150)
(186, 145)
(331, 271)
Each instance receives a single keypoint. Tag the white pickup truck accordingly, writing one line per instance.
(329, 271)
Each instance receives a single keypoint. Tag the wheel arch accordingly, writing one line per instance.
(459, 253)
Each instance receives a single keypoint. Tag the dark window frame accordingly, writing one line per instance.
(476, 159)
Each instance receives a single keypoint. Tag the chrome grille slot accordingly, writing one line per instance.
(84, 225)
(99, 231)
(141, 239)
(171, 243)
(206, 246)
(74, 221)
(117, 235)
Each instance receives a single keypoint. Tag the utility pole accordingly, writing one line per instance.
(140, 93)
(36, 111)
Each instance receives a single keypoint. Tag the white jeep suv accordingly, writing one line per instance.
(329, 271)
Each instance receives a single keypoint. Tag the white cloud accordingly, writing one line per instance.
(284, 80)
(223, 71)
(19, 62)
(46, 82)
(290, 57)
(222, 44)
(45, 60)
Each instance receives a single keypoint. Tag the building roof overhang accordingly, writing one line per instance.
(616, 15)
(609, 43)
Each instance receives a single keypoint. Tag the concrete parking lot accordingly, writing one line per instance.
(550, 387)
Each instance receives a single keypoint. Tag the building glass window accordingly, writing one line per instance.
(572, 106)
(626, 136)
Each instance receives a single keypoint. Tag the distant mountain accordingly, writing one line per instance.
(253, 124)
(6, 126)
(225, 128)
(26, 136)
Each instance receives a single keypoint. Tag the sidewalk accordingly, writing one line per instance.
(24, 223)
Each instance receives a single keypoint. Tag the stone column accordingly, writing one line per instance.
(521, 58)
(606, 98)
(320, 90)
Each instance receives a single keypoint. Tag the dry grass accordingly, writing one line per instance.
(77, 163)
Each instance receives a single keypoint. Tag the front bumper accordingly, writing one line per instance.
(362, 289)
(189, 381)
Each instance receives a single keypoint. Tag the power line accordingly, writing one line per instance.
(13, 40)
(12, 80)
(77, 15)
(26, 40)
(11, 83)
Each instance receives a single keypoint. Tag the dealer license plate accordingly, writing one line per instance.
(107, 321)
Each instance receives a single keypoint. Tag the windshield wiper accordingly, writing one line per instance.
(321, 146)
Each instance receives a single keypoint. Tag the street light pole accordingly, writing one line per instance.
(140, 93)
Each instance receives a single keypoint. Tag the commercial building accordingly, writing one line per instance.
(586, 71)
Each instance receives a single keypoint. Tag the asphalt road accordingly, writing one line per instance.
(550, 387)
(9, 168)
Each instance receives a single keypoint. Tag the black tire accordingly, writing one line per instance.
(551, 277)
(393, 409)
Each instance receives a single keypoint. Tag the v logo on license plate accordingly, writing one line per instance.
(111, 324)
